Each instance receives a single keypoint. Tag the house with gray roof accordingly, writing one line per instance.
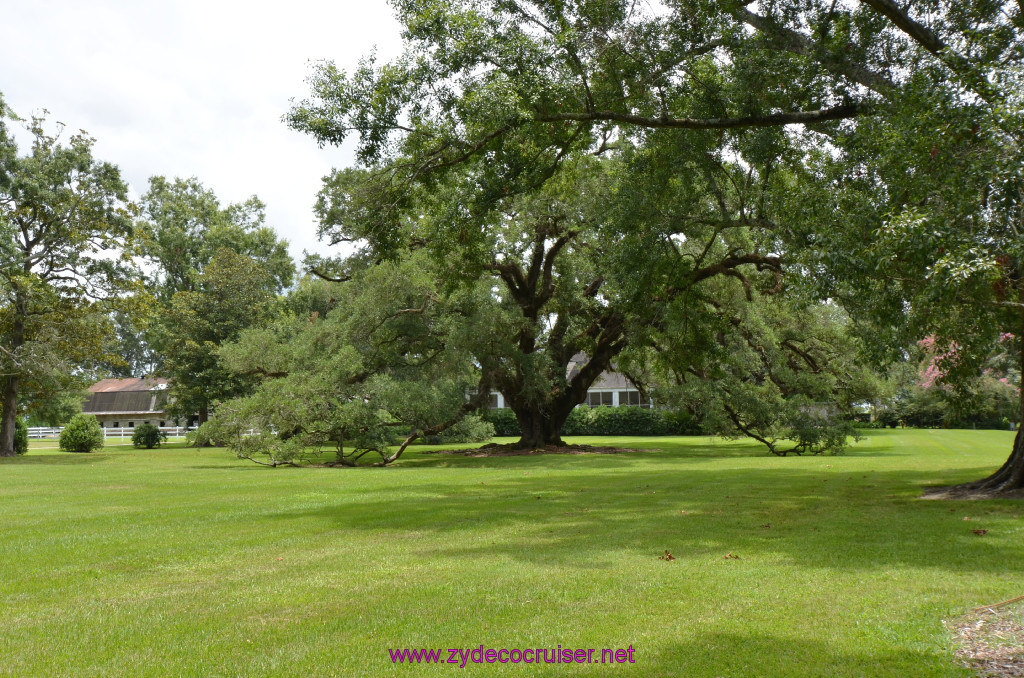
(611, 389)
(127, 403)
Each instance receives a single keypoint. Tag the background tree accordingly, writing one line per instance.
(65, 257)
(183, 225)
(232, 293)
(130, 352)
(921, 397)
(54, 409)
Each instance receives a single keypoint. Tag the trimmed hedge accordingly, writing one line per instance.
(503, 421)
(606, 421)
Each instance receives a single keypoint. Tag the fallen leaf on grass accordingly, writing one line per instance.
(667, 556)
(766, 525)
(966, 518)
(730, 556)
(980, 532)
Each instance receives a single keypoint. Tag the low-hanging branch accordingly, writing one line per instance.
(475, 403)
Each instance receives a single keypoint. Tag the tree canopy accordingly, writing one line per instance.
(232, 293)
(183, 226)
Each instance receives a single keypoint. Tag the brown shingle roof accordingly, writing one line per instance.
(120, 385)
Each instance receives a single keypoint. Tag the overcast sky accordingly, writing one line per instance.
(193, 88)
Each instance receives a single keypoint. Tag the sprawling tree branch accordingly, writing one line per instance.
(840, 112)
(798, 43)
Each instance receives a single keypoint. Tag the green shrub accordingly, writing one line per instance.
(209, 434)
(82, 434)
(504, 422)
(624, 421)
(148, 436)
(577, 423)
(20, 436)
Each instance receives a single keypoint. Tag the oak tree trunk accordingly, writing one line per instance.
(541, 420)
(540, 426)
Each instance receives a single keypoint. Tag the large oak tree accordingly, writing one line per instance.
(65, 258)
(516, 89)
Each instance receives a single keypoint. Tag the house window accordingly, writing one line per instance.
(598, 398)
(162, 424)
(633, 399)
(492, 401)
(131, 424)
(117, 424)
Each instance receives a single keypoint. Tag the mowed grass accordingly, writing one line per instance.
(187, 562)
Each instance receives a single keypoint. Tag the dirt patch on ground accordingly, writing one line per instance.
(991, 642)
(513, 450)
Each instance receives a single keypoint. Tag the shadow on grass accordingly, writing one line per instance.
(676, 447)
(665, 450)
(810, 517)
(714, 654)
(55, 459)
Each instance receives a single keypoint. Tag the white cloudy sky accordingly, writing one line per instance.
(192, 87)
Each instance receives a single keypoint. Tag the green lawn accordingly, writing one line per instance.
(187, 563)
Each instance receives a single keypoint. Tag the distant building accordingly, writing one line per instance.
(127, 403)
(611, 389)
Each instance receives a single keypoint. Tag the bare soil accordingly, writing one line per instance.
(990, 642)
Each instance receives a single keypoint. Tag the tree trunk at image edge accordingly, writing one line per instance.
(9, 398)
(9, 407)
(1010, 476)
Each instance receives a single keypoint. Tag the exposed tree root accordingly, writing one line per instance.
(970, 491)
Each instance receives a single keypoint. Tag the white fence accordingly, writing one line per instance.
(122, 433)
